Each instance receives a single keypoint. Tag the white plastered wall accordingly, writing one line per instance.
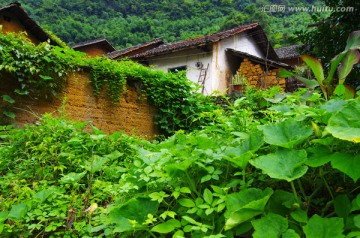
(219, 72)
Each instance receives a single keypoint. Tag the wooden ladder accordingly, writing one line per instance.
(202, 77)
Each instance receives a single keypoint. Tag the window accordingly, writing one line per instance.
(177, 69)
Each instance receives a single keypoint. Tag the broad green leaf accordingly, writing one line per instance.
(241, 154)
(215, 236)
(284, 164)
(167, 226)
(8, 99)
(349, 92)
(347, 163)
(44, 194)
(243, 228)
(351, 58)
(345, 124)
(185, 190)
(17, 212)
(97, 228)
(290, 233)
(245, 205)
(355, 204)
(96, 164)
(308, 83)
(342, 205)
(334, 105)
(271, 225)
(121, 223)
(135, 209)
(283, 73)
(339, 90)
(353, 41)
(72, 178)
(114, 155)
(178, 234)
(185, 202)
(315, 67)
(281, 202)
(285, 134)
(299, 216)
(334, 65)
(277, 98)
(356, 219)
(353, 234)
(318, 156)
(319, 227)
(3, 216)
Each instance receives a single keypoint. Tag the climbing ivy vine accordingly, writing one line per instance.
(41, 71)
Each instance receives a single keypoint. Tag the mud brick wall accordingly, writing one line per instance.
(257, 77)
(131, 115)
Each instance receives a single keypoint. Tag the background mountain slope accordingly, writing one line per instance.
(131, 22)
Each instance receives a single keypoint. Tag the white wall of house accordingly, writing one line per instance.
(219, 73)
(188, 58)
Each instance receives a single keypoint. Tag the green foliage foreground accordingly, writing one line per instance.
(294, 172)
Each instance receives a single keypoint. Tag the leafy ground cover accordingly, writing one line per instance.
(286, 169)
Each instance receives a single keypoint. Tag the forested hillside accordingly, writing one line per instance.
(131, 22)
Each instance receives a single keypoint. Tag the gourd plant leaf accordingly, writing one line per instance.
(347, 163)
(271, 225)
(281, 202)
(284, 164)
(342, 205)
(318, 156)
(324, 227)
(285, 134)
(241, 154)
(345, 124)
(315, 67)
(245, 205)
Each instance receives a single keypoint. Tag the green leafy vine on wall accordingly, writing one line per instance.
(104, 71)
(40, 71)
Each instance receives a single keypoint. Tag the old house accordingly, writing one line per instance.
(289, 54)
(13, 18)
(93, 48)
(215, 60)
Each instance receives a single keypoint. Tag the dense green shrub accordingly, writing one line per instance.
(294, 172)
